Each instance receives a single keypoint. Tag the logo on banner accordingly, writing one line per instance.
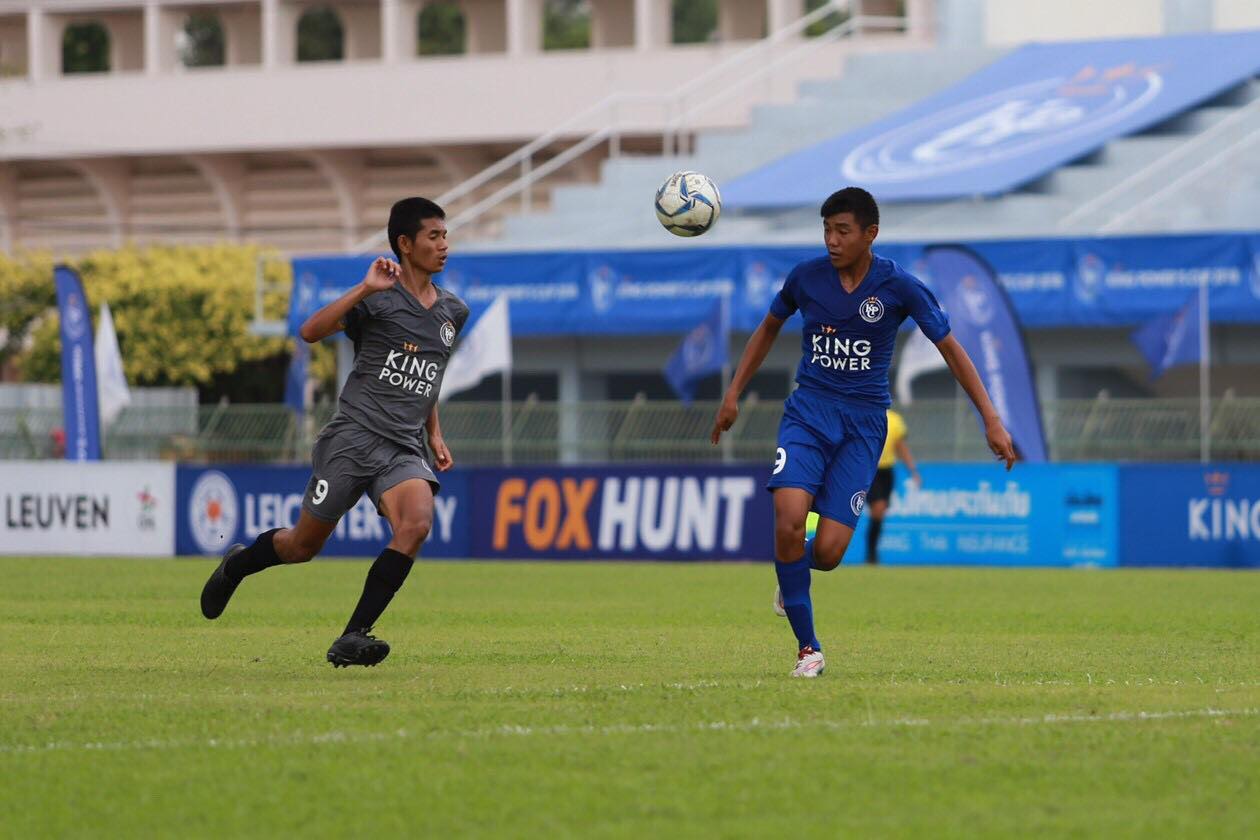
(976, 301)
(1089, 277)
(757, 284)
(147, 518)
(1006, 124)
(621, 514)
(602, 280)
(308, 292)
(871, 309)
(212, 511)
(1218, 516)
(76, 316)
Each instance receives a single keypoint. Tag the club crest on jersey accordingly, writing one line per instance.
(871, 309)
(448, 333)
(858, 502)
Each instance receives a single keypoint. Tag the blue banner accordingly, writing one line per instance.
(623, 512)
(964, 514)
(981, 319)
(1122, 281)
(1190, 515)
(1012, 122)
(216, 507)
(78, 369)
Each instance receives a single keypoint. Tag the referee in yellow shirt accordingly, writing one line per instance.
(881, 488)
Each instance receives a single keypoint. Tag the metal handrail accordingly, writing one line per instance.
(528, 178)
(1186, 177)
(1138, 180)
(674, 102)
(840, 30)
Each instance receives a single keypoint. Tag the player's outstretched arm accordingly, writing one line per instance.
(442, 459)
(382, 274)
(755, 351)
(965, 372)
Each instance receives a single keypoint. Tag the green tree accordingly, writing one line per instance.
(320, 36)
(566, 25)
(695, 21)
(182, 316)
(204, 44)
(85, 48)
(26, 288)
(442, 30)
(182, 313)
(828, 23)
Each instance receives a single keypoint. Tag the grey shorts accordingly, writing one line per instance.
(348, 460)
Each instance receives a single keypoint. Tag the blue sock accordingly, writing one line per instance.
(794, 583)
(809, 555)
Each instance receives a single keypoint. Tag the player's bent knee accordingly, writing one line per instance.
(828, 554)
(412, 533)
(302, 551)
(789, 542)
(826, 561)
(292, 546)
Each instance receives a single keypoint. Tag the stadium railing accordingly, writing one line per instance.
(648, 431)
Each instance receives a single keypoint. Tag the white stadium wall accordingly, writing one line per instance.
(1236, 14)
(1010, 22)
(365, 104)
(307, 157)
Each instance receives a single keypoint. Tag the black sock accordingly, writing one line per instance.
(387, 574)
(261, 555)
(872, 538)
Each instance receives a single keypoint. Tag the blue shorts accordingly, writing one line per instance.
(830, 449)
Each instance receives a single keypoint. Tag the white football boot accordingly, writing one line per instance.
(778, 603)
(809, 663)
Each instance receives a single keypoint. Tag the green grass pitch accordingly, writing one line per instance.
(629, 700)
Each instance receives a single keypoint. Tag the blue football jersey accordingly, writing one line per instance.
(847, 339)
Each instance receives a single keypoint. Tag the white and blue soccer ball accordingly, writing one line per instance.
(688, 203)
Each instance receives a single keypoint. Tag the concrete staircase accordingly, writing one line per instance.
(1083, 197)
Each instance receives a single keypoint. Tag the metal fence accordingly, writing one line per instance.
(644, 430)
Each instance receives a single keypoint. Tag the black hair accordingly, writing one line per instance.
(406, 217)
(853, 200)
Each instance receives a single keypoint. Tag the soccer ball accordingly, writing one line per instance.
(688, 203)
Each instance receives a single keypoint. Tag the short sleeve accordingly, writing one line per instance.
(356, 318)
(461, 316)
(921, 305)
(785, 302)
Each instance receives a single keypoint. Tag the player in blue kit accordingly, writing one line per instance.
(852, 302)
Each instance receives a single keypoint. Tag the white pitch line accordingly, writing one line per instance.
(509, 730)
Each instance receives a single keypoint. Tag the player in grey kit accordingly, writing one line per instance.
(403, 327)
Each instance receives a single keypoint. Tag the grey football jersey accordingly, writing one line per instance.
(400, 354)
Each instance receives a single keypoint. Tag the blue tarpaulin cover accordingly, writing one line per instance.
(1012, 122)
